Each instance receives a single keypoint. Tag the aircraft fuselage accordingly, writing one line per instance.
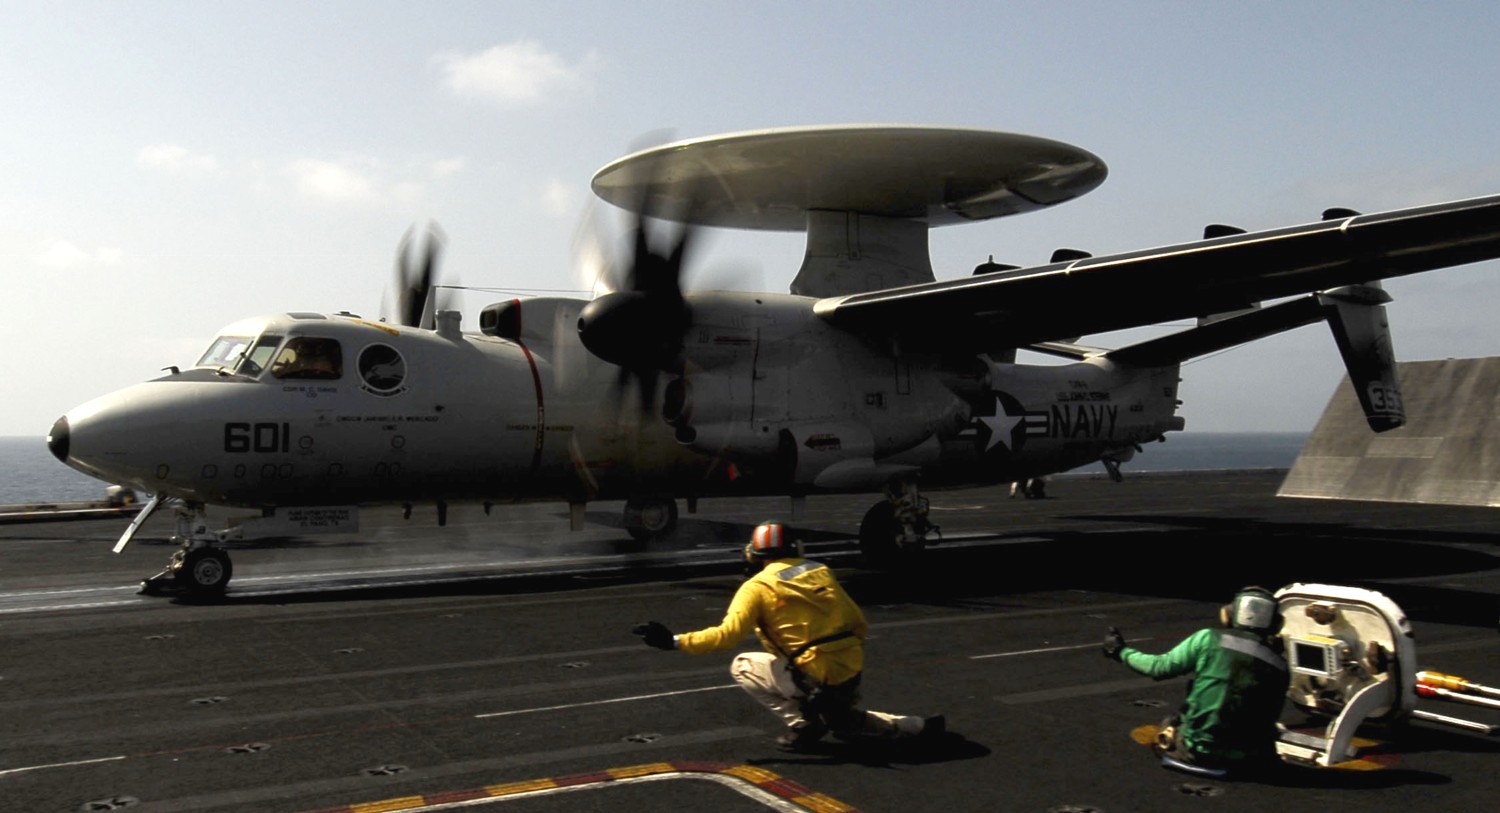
(770, 400)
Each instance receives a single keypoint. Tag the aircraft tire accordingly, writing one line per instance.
(650, 519)
(204, 571)
(878, 534)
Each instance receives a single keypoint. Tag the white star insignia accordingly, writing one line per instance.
(1000, 425)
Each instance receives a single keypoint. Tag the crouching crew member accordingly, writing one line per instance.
(1228, 721)
(813, 634)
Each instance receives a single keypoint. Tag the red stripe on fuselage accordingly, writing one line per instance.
(542, 408)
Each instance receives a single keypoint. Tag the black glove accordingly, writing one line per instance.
(656, 634)
(1113, 643)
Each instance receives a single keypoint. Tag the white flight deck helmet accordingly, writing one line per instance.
(1253, 609)
(770, 540)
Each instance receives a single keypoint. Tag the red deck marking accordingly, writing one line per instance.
(785, 788)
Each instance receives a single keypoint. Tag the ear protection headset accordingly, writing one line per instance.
(1253, 609)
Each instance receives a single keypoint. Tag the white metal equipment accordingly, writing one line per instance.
(1352, 657)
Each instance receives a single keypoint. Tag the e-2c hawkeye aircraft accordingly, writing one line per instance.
(868, 376)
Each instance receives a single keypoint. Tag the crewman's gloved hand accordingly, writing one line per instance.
(1113, 643)
(656, 634)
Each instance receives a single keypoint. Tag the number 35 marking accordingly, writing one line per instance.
(1385, 400)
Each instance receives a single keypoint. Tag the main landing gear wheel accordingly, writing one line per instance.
(198, 571)
(650, 519)
(890, 538)
(880, 537)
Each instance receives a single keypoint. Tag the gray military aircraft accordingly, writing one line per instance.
(868, 376)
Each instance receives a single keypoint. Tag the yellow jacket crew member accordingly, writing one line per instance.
(813, 634)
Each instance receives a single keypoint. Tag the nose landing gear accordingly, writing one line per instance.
(198, 569)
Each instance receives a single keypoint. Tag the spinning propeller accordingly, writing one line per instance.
(639, 326)
(416, 290)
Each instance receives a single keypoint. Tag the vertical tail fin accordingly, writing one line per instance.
(1356, 315)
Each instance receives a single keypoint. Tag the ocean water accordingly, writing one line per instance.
(1203, 451)
(29, 473)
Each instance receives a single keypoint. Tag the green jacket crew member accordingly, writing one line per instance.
(813, 635)
(1238, 689)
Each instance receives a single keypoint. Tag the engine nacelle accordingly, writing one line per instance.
(542, 319)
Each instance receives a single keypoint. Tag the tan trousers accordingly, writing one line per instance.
(767, 679)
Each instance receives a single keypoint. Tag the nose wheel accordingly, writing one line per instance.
(197, 570)
(205, 570)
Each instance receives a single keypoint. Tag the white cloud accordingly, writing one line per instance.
(173, 158)
(367, 181)
(447, 166)
(558, 198)
(520, 72)
(332, 181)
(406, 191)
(62, 254)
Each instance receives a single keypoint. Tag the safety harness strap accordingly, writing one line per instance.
(826, 639)
(1254, 649)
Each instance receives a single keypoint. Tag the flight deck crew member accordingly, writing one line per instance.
(813, 634)
(1240, 678)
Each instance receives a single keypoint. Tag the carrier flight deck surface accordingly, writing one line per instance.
(489, 665)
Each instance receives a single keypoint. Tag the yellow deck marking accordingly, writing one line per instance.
(527, 786)
(770, 789)
(403, 803)
(641, 770)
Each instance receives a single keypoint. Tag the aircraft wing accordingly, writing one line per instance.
(1063, 300)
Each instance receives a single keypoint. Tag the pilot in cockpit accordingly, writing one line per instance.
(309, 358)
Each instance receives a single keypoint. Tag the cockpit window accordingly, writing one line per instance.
(309, 358)
(243, 355)
(225, 351)
(255, 361)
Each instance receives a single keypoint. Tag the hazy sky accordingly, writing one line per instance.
(168, 168)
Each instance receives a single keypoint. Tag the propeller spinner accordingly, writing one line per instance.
(640, 325)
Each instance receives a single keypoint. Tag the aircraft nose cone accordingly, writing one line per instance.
(57, 439)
